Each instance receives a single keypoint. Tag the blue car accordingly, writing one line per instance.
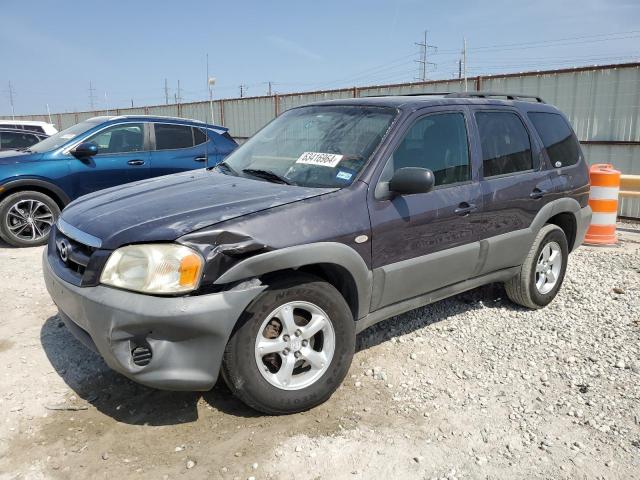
(37, 182)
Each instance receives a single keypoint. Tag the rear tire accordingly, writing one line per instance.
(318, 361)
(543, 270)
(26, 218)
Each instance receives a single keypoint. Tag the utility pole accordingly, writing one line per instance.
(211, 81)
(92, 96)
(459, 69)
(49, 113)
(424, 48)
(464, 62)
(243, 90)
(106, 102)
(166, 92)
(13, 113)
(270, 89)
(178, 95)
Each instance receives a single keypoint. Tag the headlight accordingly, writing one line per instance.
(154, 268)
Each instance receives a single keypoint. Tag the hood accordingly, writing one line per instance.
(8, 157)
(165, 208)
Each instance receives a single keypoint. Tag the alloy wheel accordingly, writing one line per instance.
(295, 345)
(548, 267)
(29, 220)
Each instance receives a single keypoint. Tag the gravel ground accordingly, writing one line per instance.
(470, 387)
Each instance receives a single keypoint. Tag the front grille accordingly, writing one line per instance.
(74, 261)
(77, 254)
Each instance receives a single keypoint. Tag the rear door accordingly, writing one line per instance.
(515, 182)
(427, 241)
(177, 148)
(123, 157)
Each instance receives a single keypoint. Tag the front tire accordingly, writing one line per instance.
(292, 346)
(543, 270)
(26, 218)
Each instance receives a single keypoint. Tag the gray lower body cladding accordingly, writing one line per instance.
(187, 335)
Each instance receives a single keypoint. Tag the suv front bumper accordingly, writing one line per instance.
(187, 335)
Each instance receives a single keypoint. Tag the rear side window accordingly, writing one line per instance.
(506, 147)
(33, 128)
(558, 138)
(437, 142)
(199, 136)
(14, 140)
(169, 137)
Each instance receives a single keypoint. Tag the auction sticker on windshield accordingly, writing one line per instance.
(322, 159)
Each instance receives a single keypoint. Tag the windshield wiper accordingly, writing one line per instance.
(225, 166)
(25, 149)
(267, 175)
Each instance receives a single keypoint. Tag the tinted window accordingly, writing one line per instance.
(14, 140)
(557, 137)
(505, 143)
(120, 138)
(437, 142)
(199, 136)
(172, 136)
(33, 128)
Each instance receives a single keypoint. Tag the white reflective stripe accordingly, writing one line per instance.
(604, 193)
(603, 218)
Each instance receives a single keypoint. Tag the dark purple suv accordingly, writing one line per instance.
(333, 217)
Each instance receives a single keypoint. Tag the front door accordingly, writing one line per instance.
(424, 242)
(122, 157)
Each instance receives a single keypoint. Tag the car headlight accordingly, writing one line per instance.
(154, 268)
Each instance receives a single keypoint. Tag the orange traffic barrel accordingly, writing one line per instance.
(603, 199)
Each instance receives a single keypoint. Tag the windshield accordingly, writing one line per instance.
(322, 146)
(58, 139)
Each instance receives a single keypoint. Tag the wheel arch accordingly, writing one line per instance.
(562, 212)
(37, 185)
(336, 263)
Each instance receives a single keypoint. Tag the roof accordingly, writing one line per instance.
(408, 102)
(20, 130)
(23, 122)
(157, 118)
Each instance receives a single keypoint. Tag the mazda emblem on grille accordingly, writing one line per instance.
(63, 248)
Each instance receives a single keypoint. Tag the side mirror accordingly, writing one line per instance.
(410, 180)
(85, 150)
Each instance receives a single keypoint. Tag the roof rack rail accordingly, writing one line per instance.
(508, 96)
(420, 94)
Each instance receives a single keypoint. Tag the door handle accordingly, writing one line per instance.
(136, 162)
(537, 193)
(200, 159)
(465, 209)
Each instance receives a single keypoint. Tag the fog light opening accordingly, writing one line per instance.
(141, 355)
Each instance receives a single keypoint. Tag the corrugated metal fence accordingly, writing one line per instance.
(602, 102)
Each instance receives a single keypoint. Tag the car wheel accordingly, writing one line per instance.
(543, 270)
(292, 347)
(26, 218)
